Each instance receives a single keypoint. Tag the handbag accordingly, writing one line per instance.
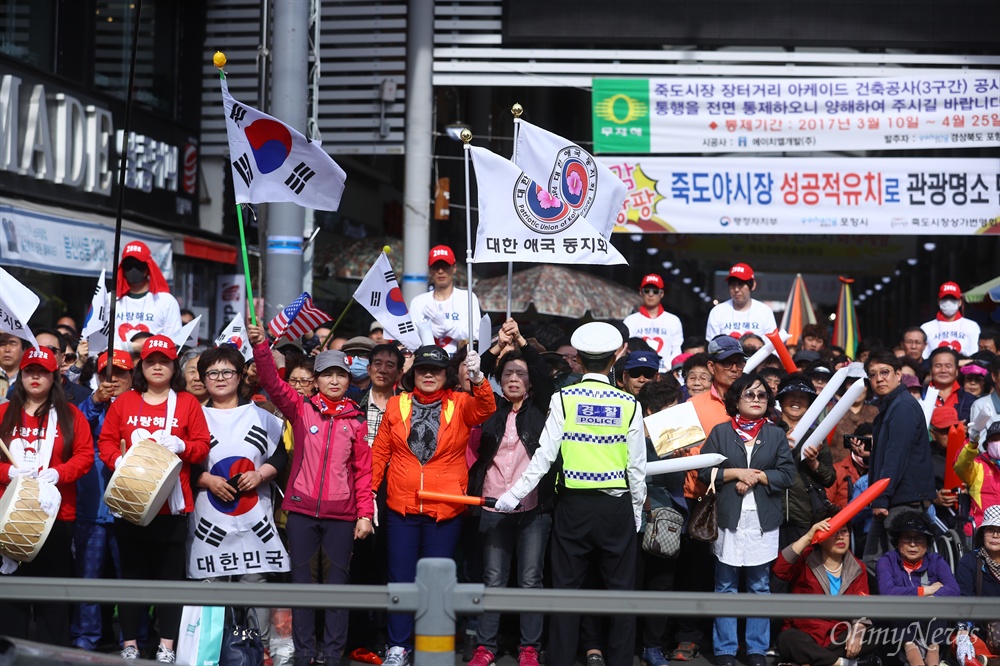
(241, 644)
(663, 532)
(704, 523)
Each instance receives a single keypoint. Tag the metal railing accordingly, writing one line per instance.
(436, 599)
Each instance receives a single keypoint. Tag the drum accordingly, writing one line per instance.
(142, 482)
(23, 525)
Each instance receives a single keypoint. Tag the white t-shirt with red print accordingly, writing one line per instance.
(663, 332)
(158, 314)
(960, 334)
(724, 319)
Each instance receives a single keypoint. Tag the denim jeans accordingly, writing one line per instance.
(758, 630)
(411, 538)
(525, 534)
(93, 543)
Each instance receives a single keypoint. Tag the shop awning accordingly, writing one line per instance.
(201, 248)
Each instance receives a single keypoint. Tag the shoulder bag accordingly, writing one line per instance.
(704, 523)
(241, 644)
(663, 532)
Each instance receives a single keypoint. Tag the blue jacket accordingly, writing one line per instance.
(90, 487)
(901, 451)
(894, 580)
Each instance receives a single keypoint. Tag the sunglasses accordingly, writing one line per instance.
(645, 373)
(651, 291)
(755, 396)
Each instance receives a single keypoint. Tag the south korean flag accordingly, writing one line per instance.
(379, 293)
(235, 334)
(237, 537)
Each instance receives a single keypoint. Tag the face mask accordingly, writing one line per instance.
(948, 307)
(359, 367)
(135, 275)
(993, 450)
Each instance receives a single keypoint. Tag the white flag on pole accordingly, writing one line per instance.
(379, 293)
(235, 334)
(273, 162)
(181, 336)
(519, 220)
(17, 304)
(571, 174)
(96, 325)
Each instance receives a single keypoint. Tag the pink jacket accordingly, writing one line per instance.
(331, 474)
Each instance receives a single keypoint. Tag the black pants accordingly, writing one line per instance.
(54, 560)
(154, 552)
(597, 523)
(654, 574)
(798, 647)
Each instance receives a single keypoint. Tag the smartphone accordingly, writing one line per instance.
(866, 441)
(235, 482)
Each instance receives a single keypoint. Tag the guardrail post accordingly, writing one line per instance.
(434, 631)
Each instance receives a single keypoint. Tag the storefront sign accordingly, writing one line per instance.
(69, 246)
(230, 299)
(809, 195)
(738, 115)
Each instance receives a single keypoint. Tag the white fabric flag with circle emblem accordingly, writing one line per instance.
(379, 294)
(570, 173)
(519, 220)
(273, 162)
(17, 304)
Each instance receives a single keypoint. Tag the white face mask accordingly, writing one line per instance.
(948, 307)
(993, 450)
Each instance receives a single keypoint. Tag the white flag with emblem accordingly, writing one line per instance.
(379, 293)
(17, 304)
(235, 334)
(519, 220)
(273, 162)
(97, 326)
(570, 173)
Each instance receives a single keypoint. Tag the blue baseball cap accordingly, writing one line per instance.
(722, 347)
(642, 359)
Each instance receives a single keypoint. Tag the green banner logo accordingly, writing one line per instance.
(621, 115)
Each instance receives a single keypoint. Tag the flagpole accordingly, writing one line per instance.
(466, 147)
(385, 249)
(516, 111)
(121, 188)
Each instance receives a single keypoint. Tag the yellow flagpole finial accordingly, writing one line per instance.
(466, 135)
(219, 59)
(516, 110)
(386, 249)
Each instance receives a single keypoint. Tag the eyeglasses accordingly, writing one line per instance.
(652, 291)
(754, 396)
(69, 357)
(918, 539)
(879, 374)
(645, 373)
(302, 382)
(731, 362)
(428, 370)
(220, 374)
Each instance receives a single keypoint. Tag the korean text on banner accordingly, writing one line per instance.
(273, 162)
(571, 174)
(379, 293)
(800, 195)
(17, 304)
(520, 221)
(958, 109)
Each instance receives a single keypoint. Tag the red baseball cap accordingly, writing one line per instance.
(159, 343)
(42, 356)
(741, 272)
(944, 417)
(949, 290)
(121, 359)
(652, 279)
(441, 253)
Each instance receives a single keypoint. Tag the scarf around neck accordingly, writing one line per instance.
(425, 420)
(747, 429)
(327, 407)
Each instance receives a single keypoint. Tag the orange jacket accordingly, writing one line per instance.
(446, 471)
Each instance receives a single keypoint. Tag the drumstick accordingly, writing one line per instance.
(488, 502)
(6, 452)
(123, 446)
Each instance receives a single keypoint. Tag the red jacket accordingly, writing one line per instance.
(132, 419)
(845, 470)
(446, 471)
(71, 469)
(805, 573)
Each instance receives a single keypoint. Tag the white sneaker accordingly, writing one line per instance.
(396, 656)
(130, 652)
(165, 655)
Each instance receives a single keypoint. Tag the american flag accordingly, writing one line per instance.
(296, 319)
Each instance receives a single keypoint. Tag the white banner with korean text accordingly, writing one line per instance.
(739, 115)
(789, 195)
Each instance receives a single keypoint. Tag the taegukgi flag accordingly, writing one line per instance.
(97, 326)
(235, 334)
(273, 162)
(17, 304)
(519, 220)
(571, 174)
(379, 293)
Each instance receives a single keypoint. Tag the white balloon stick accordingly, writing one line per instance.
(833, 418)
(821, 401)
(699, 461)
(762, 353)
(929, 403)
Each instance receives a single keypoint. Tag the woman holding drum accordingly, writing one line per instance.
(49, 447)
(157, 409)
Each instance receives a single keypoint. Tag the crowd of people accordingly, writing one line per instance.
(307, 461)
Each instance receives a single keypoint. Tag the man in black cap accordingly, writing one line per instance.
(597, 429)
(640, 368)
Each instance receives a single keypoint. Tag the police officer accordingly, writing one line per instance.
(597, 429)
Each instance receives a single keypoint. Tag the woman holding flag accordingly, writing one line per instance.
(48, 440)
(329, 493)
(159, 409)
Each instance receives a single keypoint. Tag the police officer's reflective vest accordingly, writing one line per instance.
(595, 435)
